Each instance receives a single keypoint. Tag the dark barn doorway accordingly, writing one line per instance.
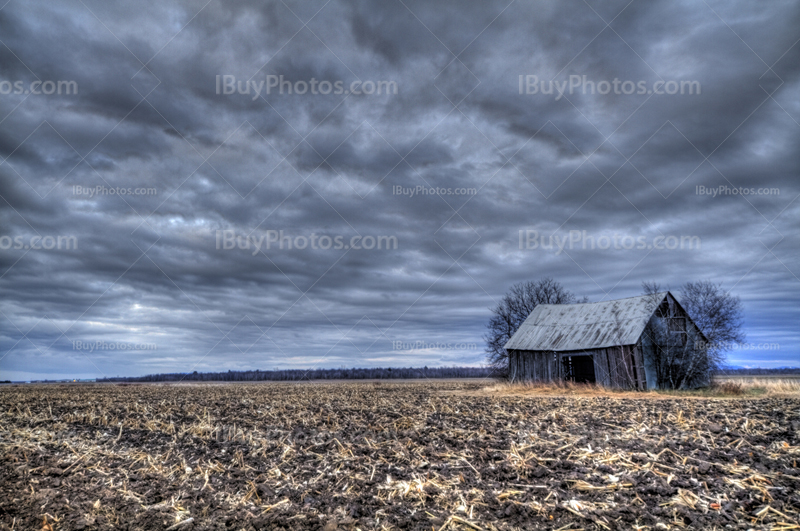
(578, 369)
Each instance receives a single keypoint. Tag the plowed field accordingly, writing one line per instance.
(421, 455)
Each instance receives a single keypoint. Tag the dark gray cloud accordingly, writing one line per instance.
(151, 269)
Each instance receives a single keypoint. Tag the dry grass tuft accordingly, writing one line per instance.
(719, 388)
(728, 388)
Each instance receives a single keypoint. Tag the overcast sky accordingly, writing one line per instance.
(124, 151)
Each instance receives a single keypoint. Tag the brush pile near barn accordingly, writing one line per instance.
(419, 455)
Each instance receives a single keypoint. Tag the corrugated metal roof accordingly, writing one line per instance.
(562, 327)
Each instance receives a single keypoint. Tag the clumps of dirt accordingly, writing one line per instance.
(396, 456)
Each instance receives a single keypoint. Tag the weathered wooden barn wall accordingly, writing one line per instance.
(620, 366)
(533, 366)
(613, 367)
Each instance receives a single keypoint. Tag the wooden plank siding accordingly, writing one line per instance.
(533, 366)
(638, 358)
(601, 372)
(618, 366)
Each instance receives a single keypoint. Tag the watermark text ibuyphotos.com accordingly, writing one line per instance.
(278, 240)
(276, 84)
(577, 239)
(531, 84)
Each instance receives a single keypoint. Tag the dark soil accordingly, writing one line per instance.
(390, 456)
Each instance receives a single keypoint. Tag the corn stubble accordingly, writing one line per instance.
(421, 455)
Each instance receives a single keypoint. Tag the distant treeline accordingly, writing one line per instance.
(294, 375)
(756, 372)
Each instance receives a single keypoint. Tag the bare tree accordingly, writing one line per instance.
(716, 312)
(512, 311)
(651, 288)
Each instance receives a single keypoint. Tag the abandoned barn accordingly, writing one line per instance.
(639, 342)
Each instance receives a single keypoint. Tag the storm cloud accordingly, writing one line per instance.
(427, 156)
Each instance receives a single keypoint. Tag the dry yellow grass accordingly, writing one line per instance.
(560, 389)
(769, 386)
(720, 388)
